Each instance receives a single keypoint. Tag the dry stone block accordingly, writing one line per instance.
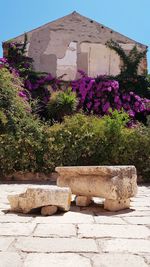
(115, 205)
(40, 196)
(48, 210)
(83, 201)
(114, 183)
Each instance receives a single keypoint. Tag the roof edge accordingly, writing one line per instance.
(78, 14)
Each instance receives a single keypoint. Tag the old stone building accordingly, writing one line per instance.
(76, 42)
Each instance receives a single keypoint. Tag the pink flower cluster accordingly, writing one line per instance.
(99, 95)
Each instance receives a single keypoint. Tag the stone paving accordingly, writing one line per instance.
(82, 237)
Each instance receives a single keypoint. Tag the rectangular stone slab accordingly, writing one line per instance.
(39, 196)
(110, 182)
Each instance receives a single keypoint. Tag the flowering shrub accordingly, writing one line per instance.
(35, 84)
(21, 133)
(99, 95)
(96, 95)
(13, 107)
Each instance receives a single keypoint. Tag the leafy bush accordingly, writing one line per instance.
(79, 140)
(61, 103)
(88, 140)
(21, 136)
(13, 108)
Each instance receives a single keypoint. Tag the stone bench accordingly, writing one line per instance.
(46, 197)
(117, 184)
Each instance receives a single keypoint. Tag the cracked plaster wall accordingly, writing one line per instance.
(75, 42)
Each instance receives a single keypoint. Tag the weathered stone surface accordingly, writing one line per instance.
(121, 260)
(8, 259)
(83, 201)
(40, 196)
(16, 229)
(55, 230)
(115, 205)
(125, 245)
(102, 219)
(67, 218)
(109, 182)
(48, 210)
(77, 237)
(138, 220)
(14, 218)
(113, 231)
(5, 242)
(57, 260)
(36, 244)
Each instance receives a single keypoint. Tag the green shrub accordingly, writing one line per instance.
(136, 150)
(88, 140)
(13, 108)
(26, 144)
(77, 139)
(21, 134)
(60, 104)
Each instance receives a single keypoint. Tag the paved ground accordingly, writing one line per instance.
(82, 237)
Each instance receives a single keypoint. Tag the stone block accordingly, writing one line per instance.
(5, 242)
(48, 210)
(66, 218)
(36, 244)
(10, 259)
(16, 229)
(55, 230)
(40, 196)
(124, 245)
(115, 205)
(83, 201)
(109, 182)
(113, 231)
(56, 260)
(121, 260)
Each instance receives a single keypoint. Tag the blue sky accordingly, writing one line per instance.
(129, 17)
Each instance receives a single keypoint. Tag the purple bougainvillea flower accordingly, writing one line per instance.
(89, 105)
(142, 108)
(23, 95)
(131, 113)
(136, 104)
(3, 60)
(28, 85)
(131, 93)
(137, 97)
(116, 99)
(109, 89)
(126, 97)
(126, 106)
(82, 72)
(106, 107)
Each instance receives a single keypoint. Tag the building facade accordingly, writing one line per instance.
(74, 43)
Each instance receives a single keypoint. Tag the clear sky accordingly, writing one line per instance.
(129, 17)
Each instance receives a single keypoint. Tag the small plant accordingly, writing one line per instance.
(61, 103)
